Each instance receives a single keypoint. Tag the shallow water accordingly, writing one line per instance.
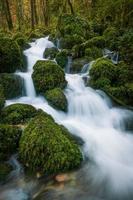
(108, 146)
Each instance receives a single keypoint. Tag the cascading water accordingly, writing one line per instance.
(108, 147)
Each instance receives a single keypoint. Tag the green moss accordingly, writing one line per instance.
(2, 98)
(50, 53)
(48, 75)
(10, 56)
(9, 138)
(12, 85)
(51, 146)
(61, 58)
(57, 99)
(93, 52)
(18, 113)
(5, 169)
(98, 41)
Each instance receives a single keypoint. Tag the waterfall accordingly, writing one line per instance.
(92, 117)
(69, 64)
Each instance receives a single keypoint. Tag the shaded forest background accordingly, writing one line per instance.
(29, 14)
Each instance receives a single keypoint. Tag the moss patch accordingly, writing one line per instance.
(51, 146)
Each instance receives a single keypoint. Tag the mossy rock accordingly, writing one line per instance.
(113, 79)
(62, 58)
(48, 75)
(9, 139)
(18, 113)
(38, 33)
(78, 64)
(72, 24)
(12, 85)
(98, 41)
(68, 41)
(51, 146)
(93, 53)
(2, 98)
(50, 53)
(21, 40)
(5, 170)
(10, 56)
(57, 99)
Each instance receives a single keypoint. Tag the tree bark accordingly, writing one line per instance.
(7, 13)
(71, 7)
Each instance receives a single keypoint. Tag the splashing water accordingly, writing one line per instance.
(108, 146)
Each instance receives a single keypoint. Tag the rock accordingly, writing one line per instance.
(62, 178)
(2, 98)
(5, 170)
(50, 53)
(10, 56)
(78, 64)
(93, 53)
(57, 99)
(48, 75)
(18, 113)
(12, 85)
(62, 58)
(51, 146)
(9, 139)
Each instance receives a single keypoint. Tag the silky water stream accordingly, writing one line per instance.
(107, 172)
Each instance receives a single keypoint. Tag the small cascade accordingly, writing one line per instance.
(69, 64)
(114, 56)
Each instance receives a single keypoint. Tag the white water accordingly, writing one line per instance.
(91, 117)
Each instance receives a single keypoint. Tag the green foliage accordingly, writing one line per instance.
(48, 75)
(51, 146)
(57, 99)
(2, 98)
(9, 138)
(10, 55)
(98, 41)
(93, 52)
(18, 113)
(61, 58)
(12, 85)
(5, 169)
(50, 53)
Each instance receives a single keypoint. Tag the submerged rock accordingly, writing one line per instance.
(48, 147)
(18, 113)
(57, 99)
(48, 75)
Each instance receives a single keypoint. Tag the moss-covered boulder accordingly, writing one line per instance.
(113, 79)
(93, 53)
(51, 146)
(57, 99)
(50, 53)
(78, 64)
(98, 41)
(5, 170)
(2, 98)
(62, 58)
(48, 75)
(10, 55)
(12, 85)
(9, 139)
(18, 113)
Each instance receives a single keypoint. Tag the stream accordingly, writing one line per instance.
(107, 173)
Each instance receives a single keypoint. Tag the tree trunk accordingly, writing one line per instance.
(34, 17)
(7, 13)
(20, 13)
(45, 11)
(71, 7)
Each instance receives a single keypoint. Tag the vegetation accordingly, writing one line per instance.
(18, 113)
(57, 99)
(61, 58)
(48, 75)
(10, 56)
(51, 146)
(12, 85)
(2, 98)
(50, 53)
(5, 169)
(9, 139)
